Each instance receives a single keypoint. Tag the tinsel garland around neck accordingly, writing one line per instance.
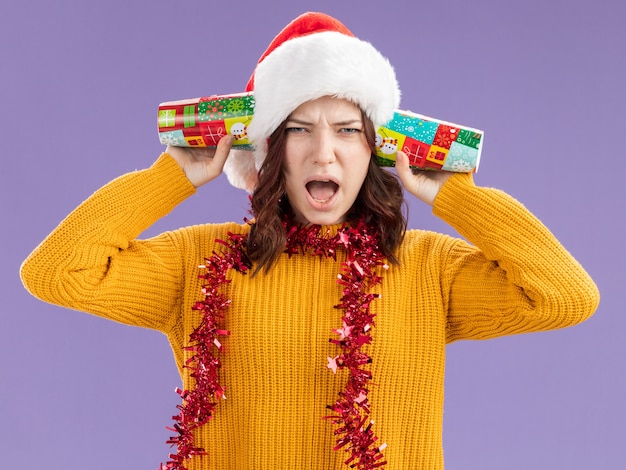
(358, 274)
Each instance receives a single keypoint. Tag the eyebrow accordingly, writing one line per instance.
(339, 123)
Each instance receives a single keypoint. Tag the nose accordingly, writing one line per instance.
(323, 151)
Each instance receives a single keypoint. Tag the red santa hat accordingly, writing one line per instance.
(313, 56)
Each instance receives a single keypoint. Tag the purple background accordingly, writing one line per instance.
(79, 86)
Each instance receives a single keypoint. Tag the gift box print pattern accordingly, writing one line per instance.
(429, 143)
(201, 122)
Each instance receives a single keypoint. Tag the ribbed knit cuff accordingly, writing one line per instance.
(164, 187)
(168, 172)
(453, 204)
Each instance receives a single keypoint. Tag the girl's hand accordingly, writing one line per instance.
(423, 184)
(202, 164)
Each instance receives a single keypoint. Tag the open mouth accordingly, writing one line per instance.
(322, 190)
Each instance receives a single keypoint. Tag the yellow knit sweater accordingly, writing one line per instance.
(514, 278)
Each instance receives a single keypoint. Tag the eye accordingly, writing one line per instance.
(349, 130)
(295, 130)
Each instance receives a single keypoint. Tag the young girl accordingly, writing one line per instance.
(312, 337)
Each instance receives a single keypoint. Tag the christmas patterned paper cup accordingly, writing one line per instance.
(202, 122)
(430, 143)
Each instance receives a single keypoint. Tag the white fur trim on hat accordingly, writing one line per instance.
(240, 169)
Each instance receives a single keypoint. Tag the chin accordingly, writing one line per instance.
(326, 219)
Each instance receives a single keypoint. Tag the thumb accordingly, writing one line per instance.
(222, 151)
(403, 169)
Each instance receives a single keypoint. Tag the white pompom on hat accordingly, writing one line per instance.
(313, 56)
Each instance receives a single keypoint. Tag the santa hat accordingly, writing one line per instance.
(313, 56)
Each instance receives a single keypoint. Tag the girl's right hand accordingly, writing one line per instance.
(423, 184)
(202, 164)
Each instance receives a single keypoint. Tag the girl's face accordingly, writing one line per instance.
(326, 160)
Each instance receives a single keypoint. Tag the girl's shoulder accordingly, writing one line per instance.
(420, 244)
(209, 232)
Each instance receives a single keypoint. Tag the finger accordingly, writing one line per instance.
(222, 150)
(403, 168)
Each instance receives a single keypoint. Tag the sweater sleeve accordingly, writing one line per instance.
(517, 278)
(93, 262)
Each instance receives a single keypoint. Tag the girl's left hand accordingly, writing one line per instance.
(423, 184)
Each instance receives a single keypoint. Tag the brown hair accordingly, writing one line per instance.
(380, 203)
